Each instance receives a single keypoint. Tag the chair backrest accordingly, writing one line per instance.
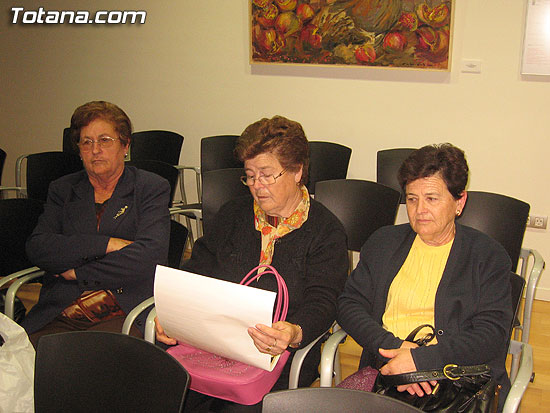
(178, 238)
(517, 284)
(218, 187)
(388, 162)
(499, 216)
(167, 171)
(327, 160)
(217, 153)
(68, 146)
(361, 206)
(106, 372)
(18, 217)
(2, 161)
(45, 167)
(156, 145)
(331, 400)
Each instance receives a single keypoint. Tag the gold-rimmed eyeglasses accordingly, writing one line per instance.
(104, 142)
(263, 179)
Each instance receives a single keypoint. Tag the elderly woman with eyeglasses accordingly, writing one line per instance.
(283, 226)
(102, 232)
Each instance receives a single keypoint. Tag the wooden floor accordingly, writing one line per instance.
(537, 396)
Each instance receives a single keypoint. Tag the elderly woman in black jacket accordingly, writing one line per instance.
(102, 232)
(283, 226)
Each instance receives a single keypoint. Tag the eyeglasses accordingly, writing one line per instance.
(263, 179)
(104, 142)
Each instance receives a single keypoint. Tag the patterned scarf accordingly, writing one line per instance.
(271, 233)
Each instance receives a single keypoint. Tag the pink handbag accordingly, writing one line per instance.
(232, 380)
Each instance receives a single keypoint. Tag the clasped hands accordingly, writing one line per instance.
(269, 340)
(402, 362)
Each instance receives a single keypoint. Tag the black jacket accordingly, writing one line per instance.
(66, 237)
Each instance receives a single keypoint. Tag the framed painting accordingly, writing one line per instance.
(380, 33)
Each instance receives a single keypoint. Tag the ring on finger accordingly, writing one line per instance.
(268, 349)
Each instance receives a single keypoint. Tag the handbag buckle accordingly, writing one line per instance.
(447, 371)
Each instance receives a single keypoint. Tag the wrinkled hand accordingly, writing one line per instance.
(161, 335)
(116, 244)
(402, 362)
(69, 275)
(275, 339)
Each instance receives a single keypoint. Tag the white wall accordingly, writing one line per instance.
(186, 69)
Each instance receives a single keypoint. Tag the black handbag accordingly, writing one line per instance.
(459, 388)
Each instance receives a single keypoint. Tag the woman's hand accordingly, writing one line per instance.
(161, 335)
(69, 275)
(402, 362)
(275, 339)
(116, 244)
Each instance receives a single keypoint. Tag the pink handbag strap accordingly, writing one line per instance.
(281, 309)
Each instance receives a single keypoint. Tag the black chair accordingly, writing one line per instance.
(388, 162)
(167, 171)
(504, 219)
(68, 146)
(361, 206)
(96, 371)
(217, 153)
(2, 161)
(331, 400)
(499, 216)
(218, 187)
(156, 145)
(18, 217)
(178, 239)
(327, 160)
(42, 168)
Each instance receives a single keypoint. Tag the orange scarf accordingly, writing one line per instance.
(284, 226)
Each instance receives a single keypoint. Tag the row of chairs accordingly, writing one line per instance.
(102, 371)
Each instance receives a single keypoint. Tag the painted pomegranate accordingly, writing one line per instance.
(394, 42)
(266, 17)
(365, 54)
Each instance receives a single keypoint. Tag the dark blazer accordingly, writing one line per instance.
(312, 260)
(67, 236)
(473, 310)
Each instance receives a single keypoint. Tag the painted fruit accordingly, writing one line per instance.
(394, 41)
(287, 23)
(286, 5)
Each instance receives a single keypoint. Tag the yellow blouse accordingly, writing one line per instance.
(411, 297)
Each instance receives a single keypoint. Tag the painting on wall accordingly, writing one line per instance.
(380, 33)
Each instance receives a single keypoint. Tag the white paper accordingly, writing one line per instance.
(212, 314)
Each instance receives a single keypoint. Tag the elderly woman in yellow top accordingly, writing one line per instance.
(283, 226)
(430, 271)
(102, 232)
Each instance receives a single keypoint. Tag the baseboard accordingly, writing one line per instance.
(542, 294)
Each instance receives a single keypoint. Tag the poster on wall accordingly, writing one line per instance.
(413, 34)
(536, 43)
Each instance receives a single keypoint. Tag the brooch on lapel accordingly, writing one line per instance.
(121, 211)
